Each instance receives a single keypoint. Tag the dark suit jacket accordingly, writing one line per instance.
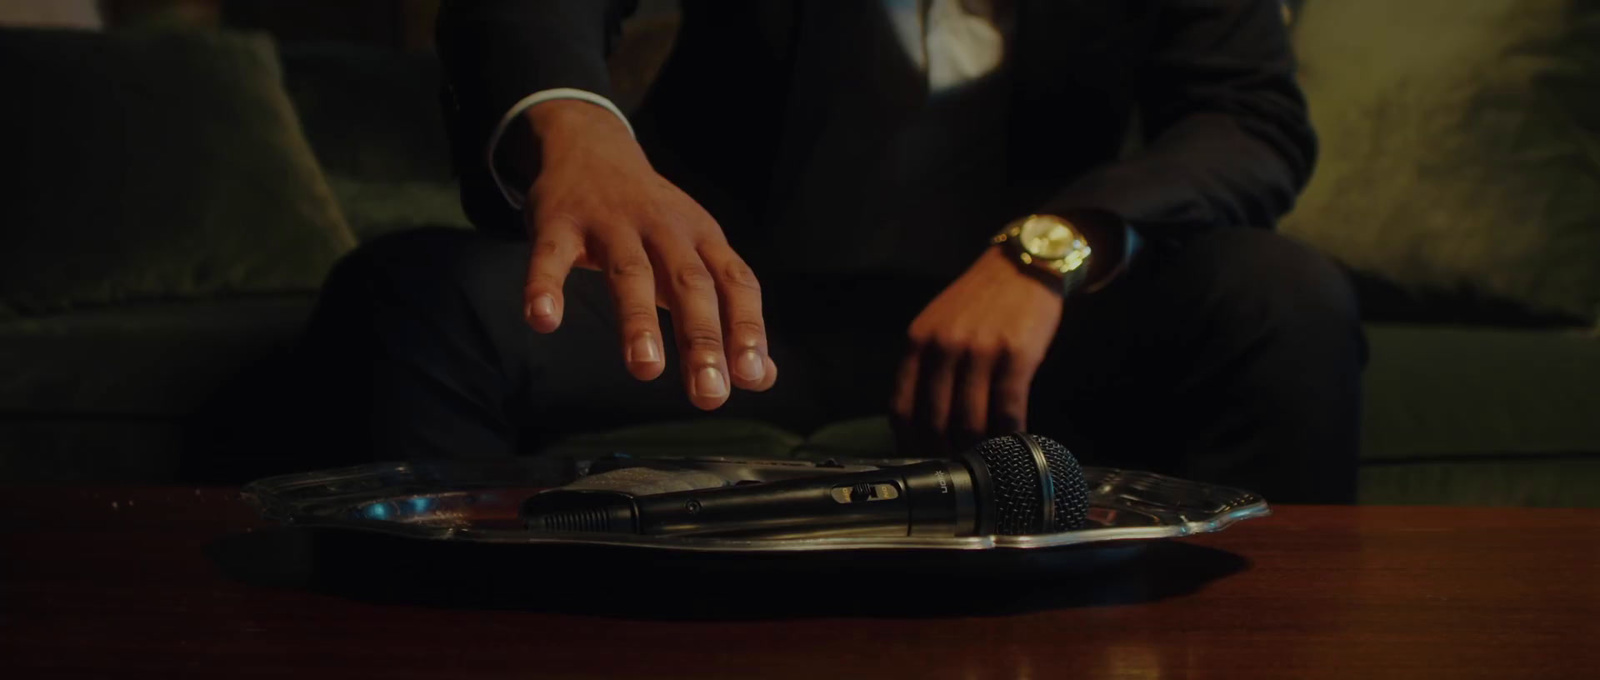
(1210, 83)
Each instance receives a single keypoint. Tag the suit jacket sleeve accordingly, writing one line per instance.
(496, 52)
(1227, 139)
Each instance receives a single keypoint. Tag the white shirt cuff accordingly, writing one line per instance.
(514, 197)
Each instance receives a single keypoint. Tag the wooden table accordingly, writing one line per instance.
(101, 582)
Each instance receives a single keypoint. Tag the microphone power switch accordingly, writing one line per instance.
(865, 492)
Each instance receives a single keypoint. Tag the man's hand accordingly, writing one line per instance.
(597, 203)
(973, 352)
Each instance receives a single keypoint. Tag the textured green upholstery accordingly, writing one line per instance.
(156, 166)
(1460, 145)
(1529, 481)
(1481, 416)
(1473, 393)
(108, 394)
(374, 120)
(155, 360)
(97, 448)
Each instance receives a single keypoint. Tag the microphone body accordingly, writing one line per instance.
(934, 498)
(1008, 485)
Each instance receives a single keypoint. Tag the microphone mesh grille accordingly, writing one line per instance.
(1017, 492)
(1072, 492)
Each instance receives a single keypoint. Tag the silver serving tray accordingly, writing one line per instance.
(477, 501)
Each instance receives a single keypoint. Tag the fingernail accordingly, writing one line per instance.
(544, 305)
(749, 366)
(709, 383)
(643, 349)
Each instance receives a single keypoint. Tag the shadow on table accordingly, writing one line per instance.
(643, 584)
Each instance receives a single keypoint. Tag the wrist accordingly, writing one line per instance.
(1005, 266)
(563, 119)
(566, 131)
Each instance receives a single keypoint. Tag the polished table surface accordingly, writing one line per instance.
(163, 582)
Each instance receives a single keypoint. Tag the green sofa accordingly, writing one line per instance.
(1472, 397)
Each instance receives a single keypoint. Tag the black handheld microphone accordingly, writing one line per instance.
(1011, 485)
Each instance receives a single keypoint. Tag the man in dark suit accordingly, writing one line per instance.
(976, 215)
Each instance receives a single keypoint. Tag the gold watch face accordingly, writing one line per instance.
(1050, 238)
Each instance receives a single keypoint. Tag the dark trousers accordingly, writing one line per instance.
(1233, 358)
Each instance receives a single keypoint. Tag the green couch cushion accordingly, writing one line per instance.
(375, 122)
(1474, 416)
(1561, 482)
(375, 207)
(105, 449)
(1460, 145)
(155, 166)
(138, 361)
(1466, 393)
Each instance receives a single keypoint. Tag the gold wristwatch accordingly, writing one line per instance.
(1049, 247)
